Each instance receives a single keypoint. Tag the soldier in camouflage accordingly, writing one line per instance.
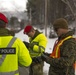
(63, 56)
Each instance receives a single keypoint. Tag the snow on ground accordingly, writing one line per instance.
(22, 36)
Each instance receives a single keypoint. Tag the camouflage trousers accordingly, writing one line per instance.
(36, 68)
(23, 70)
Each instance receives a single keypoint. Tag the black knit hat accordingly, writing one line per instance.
(60, 23)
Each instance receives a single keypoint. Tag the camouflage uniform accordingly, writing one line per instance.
(64, 64)
(36, 68)
(4, 31)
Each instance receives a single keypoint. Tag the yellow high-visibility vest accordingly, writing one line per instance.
(9, 62)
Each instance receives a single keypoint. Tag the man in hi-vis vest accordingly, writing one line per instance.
(36, 45)
(63, 56)
(12, 51)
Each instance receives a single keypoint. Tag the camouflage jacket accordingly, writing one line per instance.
(64, 64)
(4, 32)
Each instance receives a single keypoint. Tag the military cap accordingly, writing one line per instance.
(60, 23)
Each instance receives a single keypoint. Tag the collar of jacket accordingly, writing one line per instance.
(36, 34)
(69, 33)
(4, 32)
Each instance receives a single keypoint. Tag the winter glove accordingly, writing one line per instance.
(26, 44)
(37, 59)
(44, 57)
(48, 54)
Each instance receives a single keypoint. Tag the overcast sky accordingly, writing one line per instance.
(13, 4)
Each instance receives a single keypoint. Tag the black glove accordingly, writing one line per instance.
(44, 57)
(48, 54)
(26, 44)
(37, 59)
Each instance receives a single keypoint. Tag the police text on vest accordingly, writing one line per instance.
(7, 50)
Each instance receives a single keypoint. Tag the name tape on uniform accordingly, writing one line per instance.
(7, 50)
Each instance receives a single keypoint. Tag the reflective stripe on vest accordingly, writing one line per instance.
(9, 45)
(56, 50)
(9, 73)
(4, 56)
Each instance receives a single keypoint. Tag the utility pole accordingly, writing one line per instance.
(46, 18)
